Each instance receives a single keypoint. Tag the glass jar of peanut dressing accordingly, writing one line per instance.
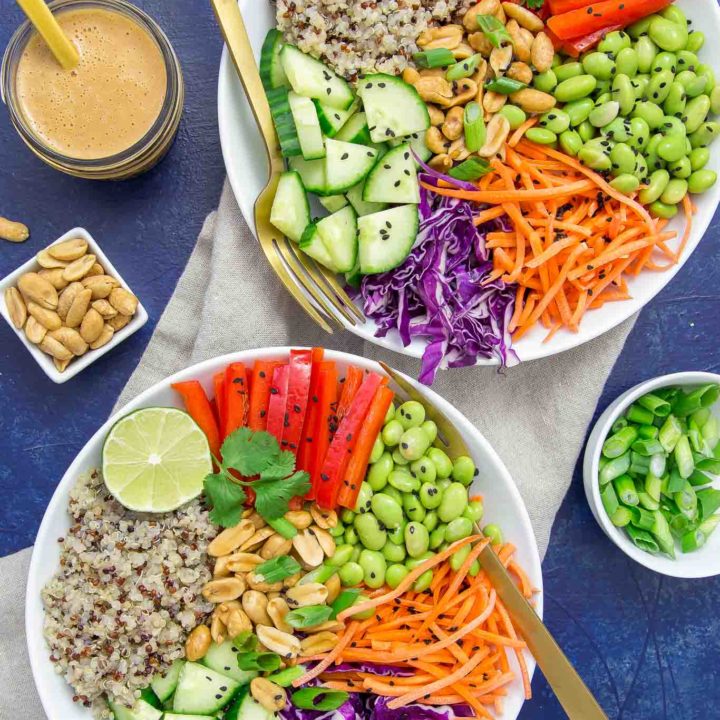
(115, 114)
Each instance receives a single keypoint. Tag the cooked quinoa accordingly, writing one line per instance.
(359, 36)
(126, 595)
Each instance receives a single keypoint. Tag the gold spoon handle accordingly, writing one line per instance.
(38, 13)
(236, 38)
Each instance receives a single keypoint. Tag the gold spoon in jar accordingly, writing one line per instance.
(45, 23)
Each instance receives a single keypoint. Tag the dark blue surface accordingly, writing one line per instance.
(649, 647)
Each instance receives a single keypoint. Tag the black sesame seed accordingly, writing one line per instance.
(344, 156)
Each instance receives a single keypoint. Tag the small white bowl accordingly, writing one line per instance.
(704, 562)
(80, 363)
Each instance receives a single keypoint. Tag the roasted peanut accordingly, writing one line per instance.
(542, 52)
(218, 630)
(268, 694)
(308, 548)
(123, 301)
(257, 538)
(277, 609)
(241, 562)
(410, 75)
(299, 519)
(71, 339)
(324, 519)
(105, 309)
(437, 116)
(452, 128)
(91, 326)
(96, 269)
(238, 622)
(528, 20)
(333, 587)
(441, 162)
(35, 288)
(105, 337)
(493, 101)
(318, 643)
(54, 277)
(66, 298)
(230, 539)
(13, 231)
(47, 318)
(306, 594)
(17, 310)
(254, 517)
(198, 643)
(465, 90)
(478, 41)
(533, 101)
(55, 349)
(445, 36)
(118, 322)
(46, 260)
(101, 285)
(497, 131)
(275, 546)
(282, 643)
(434, 90)
(520, 45)
(257, 582)
(68, 250)
(520, 71)
(60, 365)
(325, 539)
(78, 308)
(34, 331)
(484, 7)
(462, 52)
(458, 151)
(254, 604)
(223, 610)
(77, 269)
(500, 59)
(223, 589)
(435, 140)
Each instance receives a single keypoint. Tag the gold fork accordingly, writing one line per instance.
(297, 271)
(574, 696)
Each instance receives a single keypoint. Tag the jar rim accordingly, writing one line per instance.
(166, 121)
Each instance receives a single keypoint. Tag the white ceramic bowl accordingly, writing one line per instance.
(246, 165)
(503, 504)
(704, 562)
(78, 364)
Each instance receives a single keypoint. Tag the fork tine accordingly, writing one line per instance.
(284, 248)
(281, 271)
(338, 289)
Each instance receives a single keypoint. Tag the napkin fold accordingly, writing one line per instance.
(535, 415)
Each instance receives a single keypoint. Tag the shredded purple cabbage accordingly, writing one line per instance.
(385, 670)
(438, 293)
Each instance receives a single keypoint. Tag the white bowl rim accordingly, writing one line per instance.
(659, 564)
(57, 504)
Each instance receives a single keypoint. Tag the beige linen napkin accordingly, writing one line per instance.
(229, 299)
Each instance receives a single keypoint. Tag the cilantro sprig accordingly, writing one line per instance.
(249, 454)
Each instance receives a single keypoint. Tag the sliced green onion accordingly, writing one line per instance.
(614, 468)
(710, 465)
(618, 425)
(625, 490)
(709, 501)
(284, 678)
(265, 662)
(278, 569)
(308, 616)
(245, 642)
(619, 443)
(653, 486)
(505, 85)
(670, 433)
(435, 58)
(696, 538)
(641, 518)
(640, 415)
(343, 601)
(645, 447)
(321, 574)
(658, 464)
(470, 169)
(464, 68)
(683, 457)
(656, 405)
(710, 431)
(698, 478)
(283, 527)
(621, 517)
(493, 30)
(319, 698)
(648, 432)
(661, 531)
(609, 499)
(675, 483)
(474, 126)
(686, 500)
(702, 397)
(648, 502)
(642, 539)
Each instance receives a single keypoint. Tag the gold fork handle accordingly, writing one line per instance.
(236, 38)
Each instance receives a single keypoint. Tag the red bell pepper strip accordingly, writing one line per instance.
(277, 402)
(262, 375)
(599, 15)
(343, 444)
(219, 385)
(297, 397)
(311, 414)
(577, 46)
(371, 427)
(350, 385)
(324, 424)
(236, 397)
(199, 408)
(558, 7)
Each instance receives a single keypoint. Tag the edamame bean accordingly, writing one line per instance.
(394, 493)
(342, 555)
(622, 158)
(671, 148)
(639, 84)
(676, 100)
(337, 531)
(694, 84)
(397, 535)
(411, 414)
(430, 496)
(715, 100)
(453, 503)
(357, 549)
(664, 61)
(403, 481)
(599, 65)
(351, 574)
(651, 113)
(640, 27)
(390, 414)
(704, 135)
(659, 86)
(362, 504)
(594, 158)
(443, 484)
(574, 88)
(378, 473)
(614, 42)
(374, 567)
(430, 429)
(413, 508)
(424, 470)
(661, 209)
(641, 167)
(350, 536)
(687, 60)
(656, 186)
(437, 537)
(417, 539)
(443, 464)
(570, 142)
(545, 81)
(431, 520)
(515, 115)
(474, 511)
(627, 62)
(708, 73)
(377, 450)
(414, 443)
(494, 533)
(667, 34)
(464, 470)
(681, 168)
(672, 126)
(699, 158)
(623, 93)
(347, 516)
(387, 510)
(618, 130)
(674, 191)
(701, 180)
(674, 14)
(646, 51)
(392, 432)
(639, 133)
(474, 569)
(541, 136)
(368, 529)
(578, 110)
(459, 557)
(423, 582)
(398, 458)
(458, 529)
(696, 111)
(695, 41)
(586, 131)
(568, 70)
(555, 120)
(395, 574)
(625, 183)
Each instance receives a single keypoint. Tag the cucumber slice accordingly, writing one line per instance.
(148, 695)
(223, 659)
(271, 72)
(247, 708)
(307, 126)
(283, 121)
(141, 711)
(393, 108)
(333, 120)
(312, 173)
(290, 212)
(417, 143)
(354, 277)
(339, 234)
(355, 130)
(333, 203)
(355, 196)
(202, 691)
(309, 77)
(311, 244)
(394, 178)
(386, 238)
(346, 164)
(164, 685)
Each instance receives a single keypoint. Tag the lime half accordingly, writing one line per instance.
(155, 459)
